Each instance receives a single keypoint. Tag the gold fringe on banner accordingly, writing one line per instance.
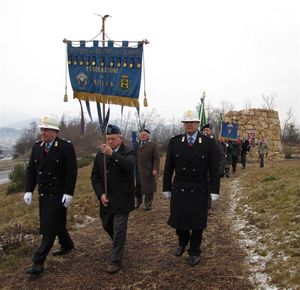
(124, 101)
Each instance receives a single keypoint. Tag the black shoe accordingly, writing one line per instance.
(194, 260)
(62, 252)
(179, 251)
(35, 269)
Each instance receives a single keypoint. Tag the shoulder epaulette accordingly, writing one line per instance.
(178, 136)
(67, 141)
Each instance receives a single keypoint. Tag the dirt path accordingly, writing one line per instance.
(149, 262)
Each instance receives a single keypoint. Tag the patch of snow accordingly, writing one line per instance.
(250, 240)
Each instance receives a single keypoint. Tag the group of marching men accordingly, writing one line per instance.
(191, 179)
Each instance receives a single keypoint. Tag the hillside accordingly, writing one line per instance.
(229, 256)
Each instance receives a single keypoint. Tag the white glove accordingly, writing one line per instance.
(167, 194)
(214, 196)
(28, 197)
(66, 200)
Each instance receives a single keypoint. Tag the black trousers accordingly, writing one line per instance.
(192, 236)
(244, 158)
(47, 242)
(116, 226)
(261, 160)
(234, 162)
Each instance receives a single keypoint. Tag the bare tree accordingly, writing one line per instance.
(269, 102)
(247, 105)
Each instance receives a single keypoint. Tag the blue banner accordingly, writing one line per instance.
(229, 130)
(108, 74)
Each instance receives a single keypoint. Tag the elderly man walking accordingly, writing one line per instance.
(148, 165)
(53, 167)
(191, 159)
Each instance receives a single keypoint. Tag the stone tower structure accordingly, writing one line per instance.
(256, 124)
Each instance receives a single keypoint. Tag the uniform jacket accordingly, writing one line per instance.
(120, 180)
(147, 160)
(55, 174)
(190, 185)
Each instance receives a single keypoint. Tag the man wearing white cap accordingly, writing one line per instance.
(191, 158)
(53, 168)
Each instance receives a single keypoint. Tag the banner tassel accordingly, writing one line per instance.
(66, 75)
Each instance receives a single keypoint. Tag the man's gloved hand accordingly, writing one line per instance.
(28, 197)
(66, 200)
(167, 194)
(214, 196)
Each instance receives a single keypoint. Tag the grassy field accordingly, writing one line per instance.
(266, 212)
(269, 204)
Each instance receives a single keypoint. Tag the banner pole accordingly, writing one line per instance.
(103, 115)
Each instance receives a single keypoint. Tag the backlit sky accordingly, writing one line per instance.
(234, 50)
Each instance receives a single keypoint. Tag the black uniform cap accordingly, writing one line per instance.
(145, 130)
(206, 126)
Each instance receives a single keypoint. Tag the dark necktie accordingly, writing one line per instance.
(191, 141)
(47, 147)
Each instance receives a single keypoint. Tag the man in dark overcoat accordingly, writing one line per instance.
(118, 201)
(191, 158)
(53, 167)
(245, 148)
(148, 165)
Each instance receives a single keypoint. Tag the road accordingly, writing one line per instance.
(4, 176)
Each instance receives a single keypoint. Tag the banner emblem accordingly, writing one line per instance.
(82, 80)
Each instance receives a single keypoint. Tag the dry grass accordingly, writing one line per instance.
(269, 202)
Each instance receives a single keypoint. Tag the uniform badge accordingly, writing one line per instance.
(182, 140)
(55, 144)
(200, 140)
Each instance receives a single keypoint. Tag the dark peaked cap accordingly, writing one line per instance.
(206, 126)
(145, 130)
(113, 129)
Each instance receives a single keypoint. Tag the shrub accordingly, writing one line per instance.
(85, 161)
(17, 179)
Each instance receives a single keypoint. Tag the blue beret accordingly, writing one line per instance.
(113, 129)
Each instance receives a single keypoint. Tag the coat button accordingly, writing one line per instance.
(182, 189)
(49, 173)
(40, 172)
(183, 168)
(194, 169)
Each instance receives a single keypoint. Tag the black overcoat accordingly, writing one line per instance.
(120, 180)
(55, 173)
(190, 185)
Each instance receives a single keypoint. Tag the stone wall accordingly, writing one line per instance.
(258, 124)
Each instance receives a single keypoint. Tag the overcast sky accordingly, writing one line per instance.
(234, 50)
